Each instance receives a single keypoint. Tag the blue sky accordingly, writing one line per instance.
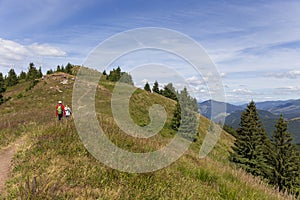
(254, 44)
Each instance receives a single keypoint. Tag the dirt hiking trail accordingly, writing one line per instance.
(6, 157)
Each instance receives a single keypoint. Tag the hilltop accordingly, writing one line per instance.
(54, 164)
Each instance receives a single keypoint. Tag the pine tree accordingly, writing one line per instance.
(40, 73)
(32, 73)
(251, 143)
(2, 88)
(2, 83)
(69, 68)
(50, 71)
(176, 117)
(169, 92)
(114, 75)
(155, 87)
(12, 78)
(147, 87)
(283, 160)
(184, 117)
(58, 69)
(126, 78)
(22, 75)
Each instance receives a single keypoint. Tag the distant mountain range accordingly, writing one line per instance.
(269, 112)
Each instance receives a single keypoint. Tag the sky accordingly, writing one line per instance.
(255, 45)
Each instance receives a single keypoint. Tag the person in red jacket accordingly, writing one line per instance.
(60, 110)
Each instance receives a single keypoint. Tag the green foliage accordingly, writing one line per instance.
(58, 69)
(12, 78)
(169, 92)
(176, 117)
(2, 89)
(20, 95)
(185, 116)
(147, 87)
(249, 149)
(116, 75)
(1, 99)
(32, 84)
(104, 73)
(283, 159)
(33, 73)
(50, 71)
(230, 130)
(54, 164)
(40, 73)
(69, 68)
(155, 88)
(22, 75)
(2, 84)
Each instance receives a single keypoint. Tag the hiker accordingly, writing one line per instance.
(68, 111)
(60, 110)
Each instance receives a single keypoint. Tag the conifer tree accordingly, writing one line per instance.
(50, 71)
(2, 88)
(40, 73)
(185, 118)
(169, 92)
(283, 160)
(22, 75)
(12, 78)
(2, 83)
(249, 149)
(58, 69)
(32, 72)
(155, 87)
(147, 87)
(69, 68)
(126, 78)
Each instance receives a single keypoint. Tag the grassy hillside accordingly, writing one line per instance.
(55, 165)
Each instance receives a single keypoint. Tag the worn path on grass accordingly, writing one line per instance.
(6, 157)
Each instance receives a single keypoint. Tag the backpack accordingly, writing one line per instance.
(59, 110)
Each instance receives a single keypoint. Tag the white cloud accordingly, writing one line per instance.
(292, 74)
(194, 81)
(243, 91)
(290, 89)
(12, 53)
(46, 50)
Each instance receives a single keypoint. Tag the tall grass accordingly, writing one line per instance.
(56, 165)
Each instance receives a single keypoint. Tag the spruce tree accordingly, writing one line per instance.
(169, 92)
(50, 71)
(251, 143)
(2, 88)
(155, 87)
(12, 78)
(2, 83)
(22, 75)
(32, 72)
(69, 68)
(283, 160)
(147, 87)
(40, 73)
(126, 78)
(184, 117)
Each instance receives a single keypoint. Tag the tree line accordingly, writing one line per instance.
(274, 159)
(116, 75)
(185, 120)
(12, 79)
(32, 75)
